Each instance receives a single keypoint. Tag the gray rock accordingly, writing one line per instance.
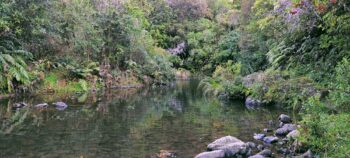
(259, 136)
(284, 151)
(250, 152)
(293, 134)
(252, 103)
(18, 106)
(285, 129)
(250, 80)
(257, 156)
(270, 122)
(266, 130)
(266, 153)
(60, 105)
(212, 154)
(260, 147)
(234, 149)
(223, 142)
(308, 154)
(281, 143)
(250, 145)
(40, 106)
(270, 139)
(284, 118)
(281, 124)
(290, 127)
(281, 131)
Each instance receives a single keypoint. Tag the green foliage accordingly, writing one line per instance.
(340, 95)
(83, 70)
(326, 133)
(284, 88)
(13, 67)
(226, 79)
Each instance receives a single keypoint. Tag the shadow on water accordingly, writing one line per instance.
(126, 123)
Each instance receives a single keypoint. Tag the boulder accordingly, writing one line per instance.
(212, 154)
(223, 142)
(252, 103)
(293, 134)
(60, 105)
(234, 149)
(42, 105)
(270, 139)
(259, 136)
(257, 77)
(284, 118)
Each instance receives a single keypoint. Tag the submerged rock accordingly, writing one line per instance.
(284, 118)
(259, 136)
(223, 142)
(212, 154)
(270, 139)
(252, 103)
(61, 105)
(18, 106)
(166, 154)
(40, 106)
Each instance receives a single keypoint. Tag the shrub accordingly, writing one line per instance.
(324, 131)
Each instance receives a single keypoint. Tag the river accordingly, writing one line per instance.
(135, 123)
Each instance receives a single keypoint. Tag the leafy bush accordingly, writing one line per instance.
(340, 95)
(326, 132)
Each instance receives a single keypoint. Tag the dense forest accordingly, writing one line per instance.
(294, 53)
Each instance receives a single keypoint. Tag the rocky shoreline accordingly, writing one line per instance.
(282, 140)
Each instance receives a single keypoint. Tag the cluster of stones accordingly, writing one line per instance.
(57, 105)
(231, 147)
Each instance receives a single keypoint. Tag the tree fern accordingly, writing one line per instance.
(12, 63)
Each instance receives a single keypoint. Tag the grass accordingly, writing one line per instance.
(57, 82)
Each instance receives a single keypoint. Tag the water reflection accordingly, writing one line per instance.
(125, 124)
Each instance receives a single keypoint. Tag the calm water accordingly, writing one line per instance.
(126, 124)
